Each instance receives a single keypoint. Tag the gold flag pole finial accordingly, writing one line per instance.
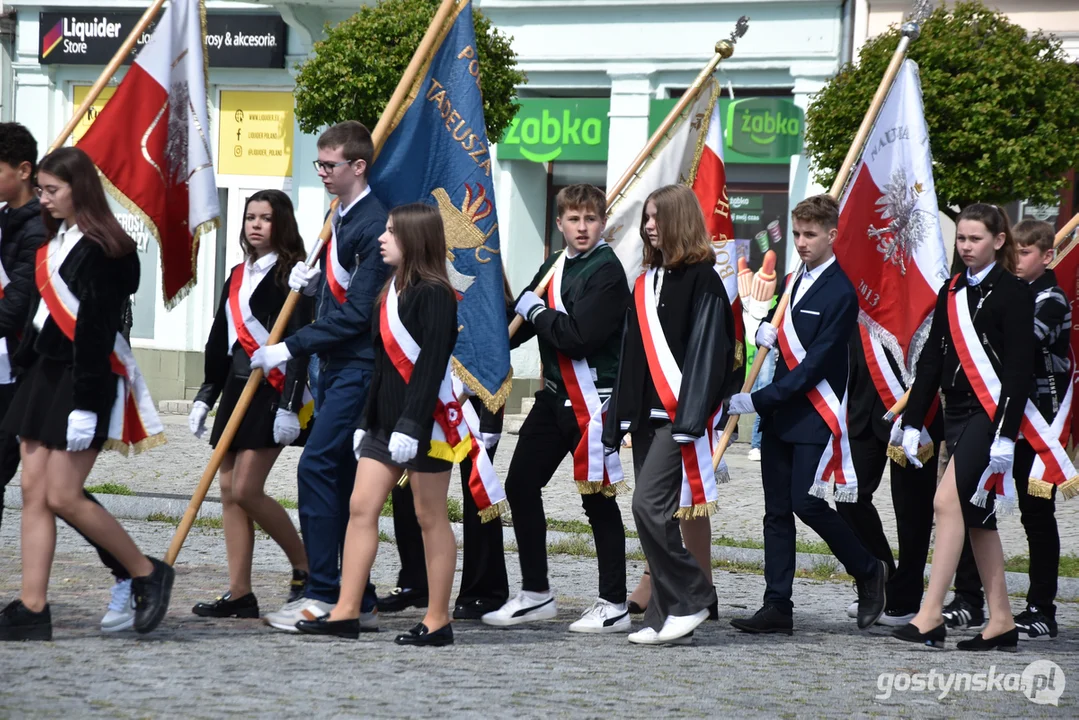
(912, 28)
(725, 48)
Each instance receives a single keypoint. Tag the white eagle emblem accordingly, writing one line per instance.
(908, 226)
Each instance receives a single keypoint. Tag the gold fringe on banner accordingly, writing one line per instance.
(707, 509)
(495, 511)
(1039, 488)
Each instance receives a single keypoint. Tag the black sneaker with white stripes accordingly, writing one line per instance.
(959, 615)
(1036, 624)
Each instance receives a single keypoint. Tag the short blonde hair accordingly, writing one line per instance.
(680, 225)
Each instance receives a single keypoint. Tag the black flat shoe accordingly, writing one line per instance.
(297, 585)
(419, 635)
(228, 607)
(152, 593)
(349, 629)
(635, 609)
(402, 599)
(872, 596)
(1005, 642)
(476, 609)
(910, 633)
(18, 622)
(768, 619)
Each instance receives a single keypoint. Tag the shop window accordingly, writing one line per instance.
(761, 215)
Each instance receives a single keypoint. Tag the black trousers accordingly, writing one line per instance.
(787, 473)
(9, 465)
(483, 576)
(912, 498)
(1043, 543)
(549, 434)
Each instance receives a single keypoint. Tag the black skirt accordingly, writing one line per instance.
(968, 434)
(256, 429)
(45, 398)
(376, 446)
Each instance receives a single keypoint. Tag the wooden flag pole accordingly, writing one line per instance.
(910, 32)
(723, 50)
(108, 72)
(378, 136)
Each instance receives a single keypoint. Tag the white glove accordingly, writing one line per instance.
(403, 448)
(302, 278)
(286, 427)
(896, 436)
(766, 336)
(912, 439)
(357, 440)
(81, 425)
(267, 357)
(741, 404)
(1001, 455)
(489, 440)
(196, 419)
(527, 304)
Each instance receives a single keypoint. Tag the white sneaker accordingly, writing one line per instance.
(121, 612)
(648, 636)
(852, 609)
(525, 607)
(893, 620)
(603, 617)
(293, 612)
(676, 626)
(369, 621)
(754, 455)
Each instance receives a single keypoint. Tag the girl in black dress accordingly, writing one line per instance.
(414, 331)
(250, 302)
(64, 408)
(997, 309)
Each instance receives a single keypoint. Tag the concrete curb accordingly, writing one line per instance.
(141, 506)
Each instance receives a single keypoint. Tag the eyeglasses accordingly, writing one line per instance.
(47, 191)
(329, 167)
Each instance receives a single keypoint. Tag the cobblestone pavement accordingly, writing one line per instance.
(175, 469)
(195, 668)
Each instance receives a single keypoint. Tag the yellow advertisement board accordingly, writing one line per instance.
(255, 133)
(78, 94)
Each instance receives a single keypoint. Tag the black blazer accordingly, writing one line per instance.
(266, 301)
(1005, 324)
(824, 320)
(23, 232)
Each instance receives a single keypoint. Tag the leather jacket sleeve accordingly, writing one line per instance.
(708, 363)
(15, 304)
(216, 360)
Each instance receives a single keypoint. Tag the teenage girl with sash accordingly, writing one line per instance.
(677, 357)
(250, 302)
(973, 356)
(414, 331)
(81, 393)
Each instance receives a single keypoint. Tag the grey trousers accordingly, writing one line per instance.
(679, 585)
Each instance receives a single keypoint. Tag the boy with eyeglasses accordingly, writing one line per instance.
(350, 276)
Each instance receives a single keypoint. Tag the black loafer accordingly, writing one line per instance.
(476, 609)
(402, 599)
(18, 622)
(769, 619)
(419, 635)
(152, 593)
(227, 606)
(349, 629)
(1005, 642)
(910, 633)
(872, 596)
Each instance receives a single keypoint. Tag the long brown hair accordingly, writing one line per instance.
(285, 237)
(996, 222)
(92, 213)
(680, 224)
(420, 235)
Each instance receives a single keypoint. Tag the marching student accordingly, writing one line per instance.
(1052, 378)
(975, 357)
(352, 275)
(250, 302)
(579, 331)
(803, 418)
(676, 361)
(72, 402)
(415, 331)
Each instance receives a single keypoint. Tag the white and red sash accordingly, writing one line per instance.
(1053, 464)
(336, 276)
(455, 434)
(699, 491)
(836, 460)
(133, 421)
(5, 358)
(243, 325)
(592, 469)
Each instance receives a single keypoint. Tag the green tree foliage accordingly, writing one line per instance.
(1001, 107)
(356, 68)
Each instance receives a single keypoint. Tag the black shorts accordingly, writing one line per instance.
(375, 446)
(256, 429)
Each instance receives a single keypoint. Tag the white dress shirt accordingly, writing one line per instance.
(809, 277)
(975, 280)
(69, 238)
(254, 272)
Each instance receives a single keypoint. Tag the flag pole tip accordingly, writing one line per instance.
(921, 10)
(725, 48)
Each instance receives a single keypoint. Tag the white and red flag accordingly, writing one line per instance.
(151, 143)
(889, 243)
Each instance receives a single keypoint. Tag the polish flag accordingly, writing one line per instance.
(151, 144)
(890, 243)
(1066, 267)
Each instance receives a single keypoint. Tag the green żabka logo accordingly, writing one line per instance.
(546, 130)
(765, 127)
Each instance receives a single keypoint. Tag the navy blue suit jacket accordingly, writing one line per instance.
(824, 319)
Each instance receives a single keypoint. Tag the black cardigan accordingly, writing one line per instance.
(429, 313)
(699, 326)
(266, 301)
(1005, 325)
(102, 285)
